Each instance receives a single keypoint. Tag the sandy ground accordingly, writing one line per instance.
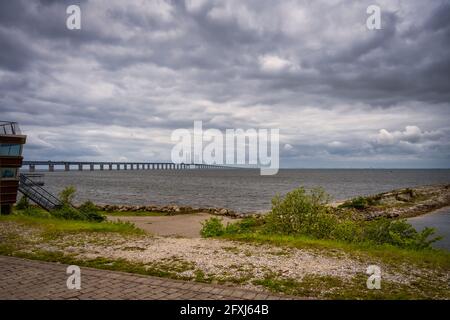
(183, 225)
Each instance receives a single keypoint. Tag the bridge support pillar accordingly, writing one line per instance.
(110, 166)
(66, 167)
(32, 168)
(91, 167)
(51, 167)
(80, 167)
(118, 166)
(101, 166)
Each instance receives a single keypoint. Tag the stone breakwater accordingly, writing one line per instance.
(401, 203)
(405, 203)
(174, 209)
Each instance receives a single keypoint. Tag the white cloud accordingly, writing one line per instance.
(273, 63)
(385, 138)
(411, 135)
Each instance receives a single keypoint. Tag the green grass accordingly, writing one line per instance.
(329, 287)
(52, 227)
(386, 253)
(136, 213)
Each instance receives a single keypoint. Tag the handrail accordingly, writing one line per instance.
(9, 127)
(38, 194)
(27, 181)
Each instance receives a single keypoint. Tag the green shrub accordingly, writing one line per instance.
(90, 211)
(244, 226)
(348, 231)
(23, 203)
(67, 195)
(398, 233)
(68, 212)
(300, 212)
(84, 213)
(87, 211)
(303, 213)
(358, 203)
(212, 227)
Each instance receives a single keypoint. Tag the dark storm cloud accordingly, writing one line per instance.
(135, 72)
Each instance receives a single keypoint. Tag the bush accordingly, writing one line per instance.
(212, 227)
(348, 231)
(398, 233)
(244, 226)
(23, 203)
(300, 212)
(90, 211)
(67, 195)
(87, 211)
(68, 212)
(358, 203)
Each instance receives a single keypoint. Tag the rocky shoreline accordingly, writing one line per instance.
(174, 209)
(401, 203)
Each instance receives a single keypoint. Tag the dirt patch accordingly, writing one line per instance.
(185, 225)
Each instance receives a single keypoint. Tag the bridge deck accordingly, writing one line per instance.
(113, 165)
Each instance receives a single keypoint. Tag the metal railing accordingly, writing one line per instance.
(37, 194)
(8, 127)
(38, 178)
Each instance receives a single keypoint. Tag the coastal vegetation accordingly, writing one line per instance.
(307, 214)
(85, 212)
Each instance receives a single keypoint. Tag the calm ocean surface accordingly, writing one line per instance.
(242, 190)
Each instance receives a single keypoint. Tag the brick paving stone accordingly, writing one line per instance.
(30, 279)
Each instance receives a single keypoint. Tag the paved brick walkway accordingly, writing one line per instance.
(29, 279)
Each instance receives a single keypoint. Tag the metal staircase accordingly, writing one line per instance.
(37, 194)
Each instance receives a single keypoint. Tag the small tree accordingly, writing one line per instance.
(300, 212)
(66, 196)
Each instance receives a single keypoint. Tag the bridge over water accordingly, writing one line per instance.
(108, 165)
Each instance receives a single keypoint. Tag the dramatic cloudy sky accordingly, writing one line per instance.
(341, 95)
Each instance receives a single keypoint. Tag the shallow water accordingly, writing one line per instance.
(440, 220)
